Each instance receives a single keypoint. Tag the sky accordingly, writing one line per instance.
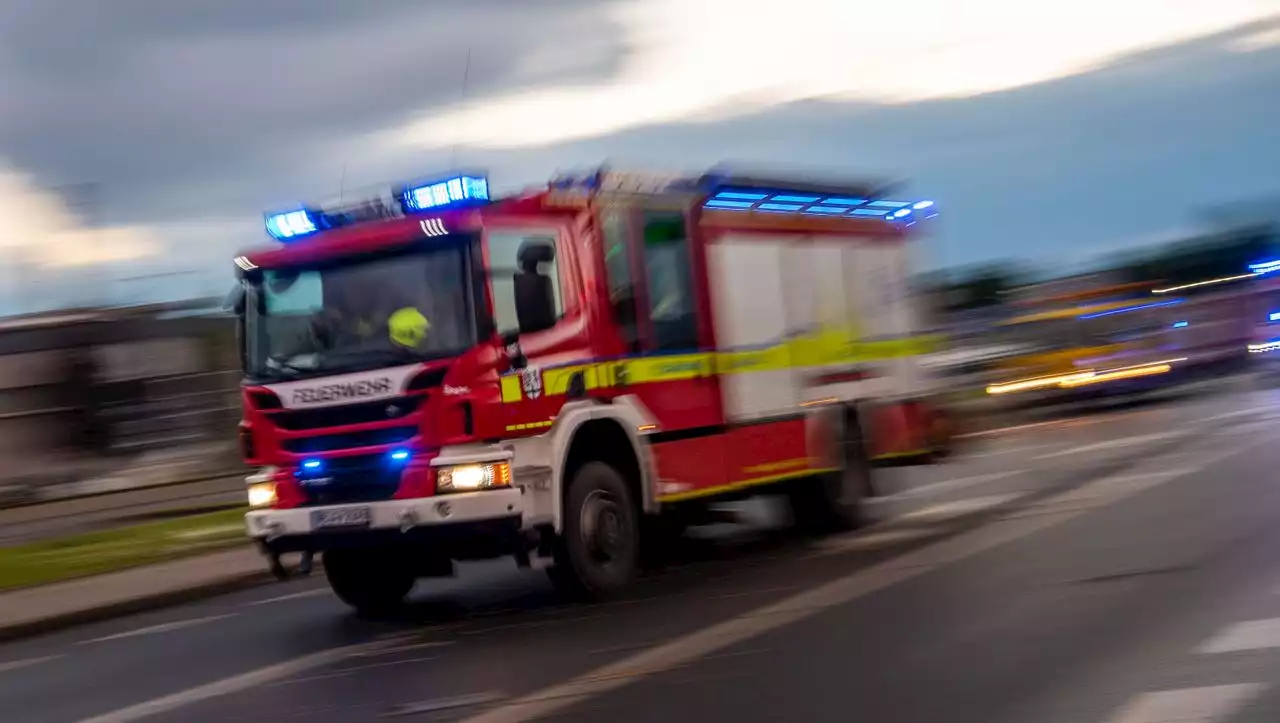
(140, 142)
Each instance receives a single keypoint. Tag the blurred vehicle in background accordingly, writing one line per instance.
(1127, 339)
(1264, 341)
(572, 374)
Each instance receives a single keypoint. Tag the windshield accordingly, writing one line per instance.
(359, 314)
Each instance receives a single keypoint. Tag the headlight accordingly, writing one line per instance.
(473, 477)
(262, 494)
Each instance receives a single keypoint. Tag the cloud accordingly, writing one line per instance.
(708, 58)
(157, 97)
(38, 230)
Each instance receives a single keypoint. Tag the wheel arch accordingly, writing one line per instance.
(584, 428)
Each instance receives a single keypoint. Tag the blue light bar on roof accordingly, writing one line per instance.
(780, 201)
(293, 225)
(1265, 267)
(448, 193)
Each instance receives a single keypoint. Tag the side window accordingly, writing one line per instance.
(504, 253)
(617, 261)
(293, 293)
(672, 309)
(290, 302)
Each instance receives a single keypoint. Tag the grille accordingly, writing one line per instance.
(366, 478)
(350, 440)
(362, 413)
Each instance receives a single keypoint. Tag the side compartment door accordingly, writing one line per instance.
(655, 284)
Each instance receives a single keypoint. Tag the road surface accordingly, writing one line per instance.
(1119, 568)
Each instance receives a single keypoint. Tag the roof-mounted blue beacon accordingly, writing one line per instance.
(454, 192)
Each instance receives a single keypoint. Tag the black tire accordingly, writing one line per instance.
(370, 581)
(598, 552)
(832, 502)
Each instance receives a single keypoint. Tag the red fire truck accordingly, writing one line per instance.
(566, 376)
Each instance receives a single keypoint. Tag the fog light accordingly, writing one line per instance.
(262, 495)
(473, 477)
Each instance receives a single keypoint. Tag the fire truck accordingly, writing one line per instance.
(570, 375)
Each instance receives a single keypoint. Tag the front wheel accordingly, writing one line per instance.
(370, 581)
(597, 554)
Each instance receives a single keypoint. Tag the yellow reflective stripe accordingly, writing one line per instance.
(667, 368)
(530, 425)
(820, 349)
(556, 381)
(511, 388)
(721, 489)
(754, 360)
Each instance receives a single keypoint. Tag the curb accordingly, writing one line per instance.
(146, 603)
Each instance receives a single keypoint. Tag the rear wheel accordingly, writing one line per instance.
(371, 581)
(597, 553)
(834, 501)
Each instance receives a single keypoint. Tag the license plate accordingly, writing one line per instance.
(340, 517)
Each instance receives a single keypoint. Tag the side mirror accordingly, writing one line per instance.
(535, 296)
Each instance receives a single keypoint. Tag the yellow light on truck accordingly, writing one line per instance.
(473, 477)
(1037, 383)
(262, 494)
(1119, 374)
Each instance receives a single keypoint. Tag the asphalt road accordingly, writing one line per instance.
(1115, 568)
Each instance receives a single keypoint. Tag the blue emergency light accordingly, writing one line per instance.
(817, 204)
(292, 225)
(1265, 267)
(453, 192)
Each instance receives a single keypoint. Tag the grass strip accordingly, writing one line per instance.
(93, 553)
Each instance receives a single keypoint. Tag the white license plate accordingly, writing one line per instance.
(340, 517)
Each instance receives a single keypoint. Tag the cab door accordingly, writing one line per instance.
(654, 289)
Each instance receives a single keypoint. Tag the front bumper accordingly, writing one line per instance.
(462, 525)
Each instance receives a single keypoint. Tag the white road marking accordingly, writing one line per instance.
(681, 651)
(234, 684)
(162, 628)
(873, 540)
(1001, 452)
(1248, 635)
(20, 664)
(1237, 413)
(291, 596)
(1112, 444)
(957, 508)
(438, 704)
(951, 485)
(1006, 430)
(406, 648)
(1188, 705)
